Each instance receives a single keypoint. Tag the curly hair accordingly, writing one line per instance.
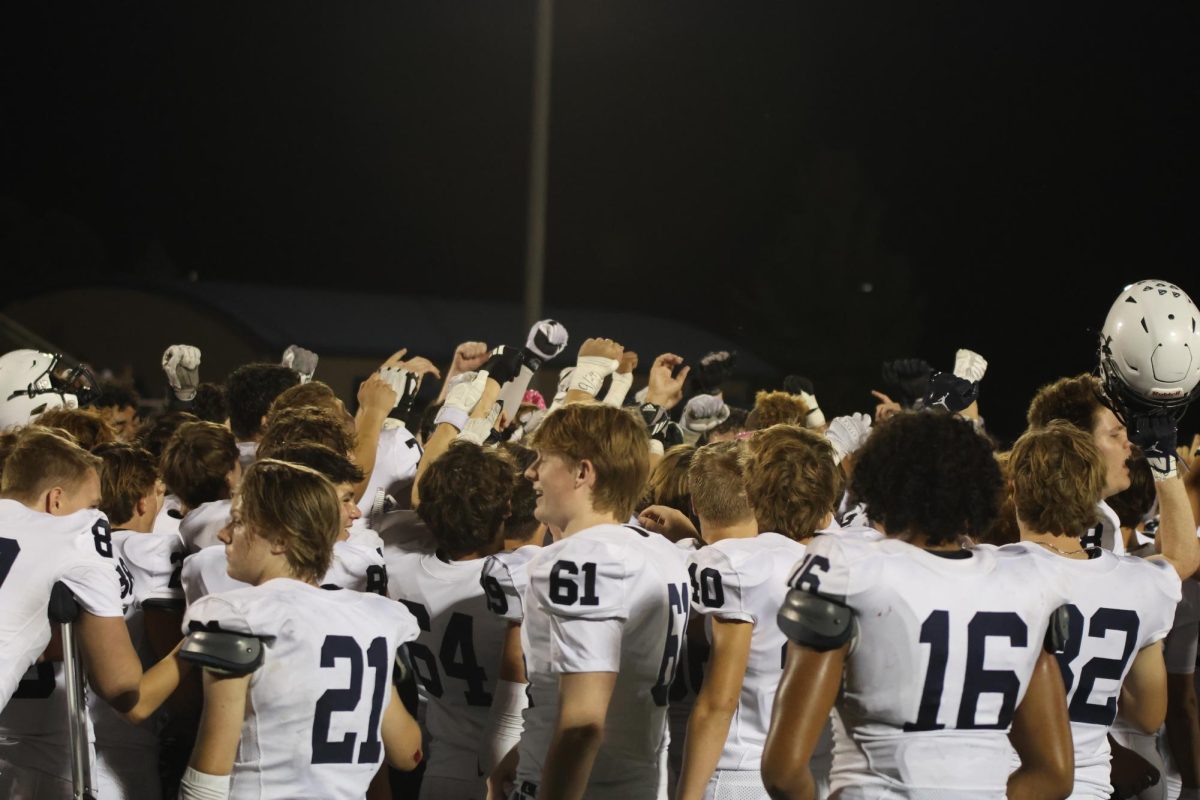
(928, 473)
(306, 424)
(129, 474)
(1057, 478)
(210, 404)
(776, 408)
(296, 507)
(1075, 400)
(154, 433)
(115, 395)
(791, 480)
(250, 390)
(521, 522)
(1135, 502)
(668, 482)
(88, 427)
(465, 497)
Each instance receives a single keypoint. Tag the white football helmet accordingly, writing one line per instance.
(1150, 348)
(32, 382)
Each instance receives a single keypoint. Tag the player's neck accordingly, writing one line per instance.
(746, 529)
(589, 519)
(1062, 544)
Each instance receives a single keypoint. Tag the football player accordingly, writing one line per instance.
(754, 527)
(318, 716)
(604, 614)
(200, 467)
(931, 651)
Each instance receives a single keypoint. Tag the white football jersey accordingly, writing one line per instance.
(36, 550)
(169, 516)
(247, 454)
(33, 725)
(504, 578)
(396, 459)
(942, 655)
(200, 526)
(313, 714)
(745, 580)
(1117, 606)
(689, 676)
(611, 598)
(357, 565)
(456, 655)
(1105, 534)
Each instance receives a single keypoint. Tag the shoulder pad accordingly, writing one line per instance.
(1058, 632)
(815, 621)
(223, 652)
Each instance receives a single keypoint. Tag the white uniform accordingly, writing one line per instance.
(247, 454)
(35, 551)
(745, 580)
(1117, 606)
(169, 516)
(396, 459)
(689, 677)
(313, 713)
(127, 755)
(942, 656)
(611, 598)
(357, 565)
(200, 526)
(455, 656)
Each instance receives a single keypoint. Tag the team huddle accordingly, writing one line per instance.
(496, 597)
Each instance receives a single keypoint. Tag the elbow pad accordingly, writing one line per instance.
(1058, 632)
(814, 621)
(223, 652)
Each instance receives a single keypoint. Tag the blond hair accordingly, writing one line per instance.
(1058, 478)
(668, 482)
(613, 441)
(718, 487)
(40, 460)
(791, 480)
(295, 507)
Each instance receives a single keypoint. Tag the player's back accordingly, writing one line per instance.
(36, 550)
(605, 576)
(455, 655)
(1117, 605)
(312, 726)
(200, 526)
(745, 580)
(944, 648)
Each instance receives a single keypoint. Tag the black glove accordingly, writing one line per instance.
(906, 380)
(948, 391)
(504, 364)
(713, 370)
(1156, 433)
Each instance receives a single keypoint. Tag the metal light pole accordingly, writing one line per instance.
(539, 153)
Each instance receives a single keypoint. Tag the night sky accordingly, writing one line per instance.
(827, 184)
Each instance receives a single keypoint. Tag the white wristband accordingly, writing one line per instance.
(452, 415)
(618, 387)
(478, 429)
(815, 418)
(590, 372)
(202, 786)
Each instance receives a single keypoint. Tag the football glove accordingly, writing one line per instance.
(847, 434)
(546, 340)
(302, 361)
(404, 383)
(181, 363)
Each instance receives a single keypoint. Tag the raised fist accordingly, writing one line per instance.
(601, 348)
(301, 360)
(181, 363)
(546, 340)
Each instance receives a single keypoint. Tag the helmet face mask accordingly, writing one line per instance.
(1149, 350)
(32, 382)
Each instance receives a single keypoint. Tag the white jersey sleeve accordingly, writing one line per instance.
(504, 579)
(205, 573)
(396, 459)
(99, 584)
(156, 562)
(717, 586)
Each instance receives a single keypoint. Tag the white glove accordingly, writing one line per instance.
(590, 372)
(478, 429)
(404, 383)
(546, 340)
(301, 360)
(618, 387)
(847, 434)
(181, 363)
(969, 366)
(703, 413)
(815, 417)
(464, 392)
